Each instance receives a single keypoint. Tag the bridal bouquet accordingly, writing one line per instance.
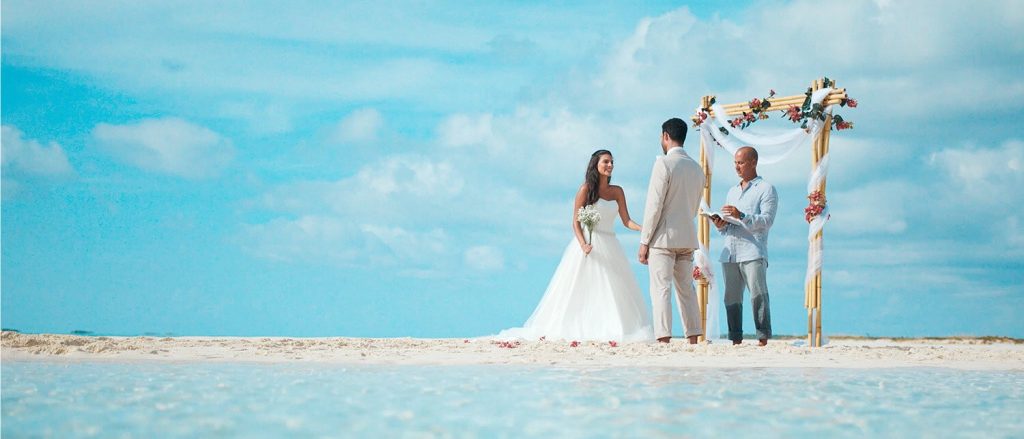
(588, 217)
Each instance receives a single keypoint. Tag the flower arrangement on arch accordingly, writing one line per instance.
(697, 274)
(802, 114)
(758, 111)
(816, 205)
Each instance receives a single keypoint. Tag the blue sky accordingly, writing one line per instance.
(407, 168)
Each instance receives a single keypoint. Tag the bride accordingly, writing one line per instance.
(593, 294)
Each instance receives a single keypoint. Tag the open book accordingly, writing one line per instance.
(727, 218)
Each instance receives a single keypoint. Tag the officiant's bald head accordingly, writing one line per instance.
(745, 161)
(748, 153)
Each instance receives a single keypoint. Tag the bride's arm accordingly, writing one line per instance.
(581, 198)
(620, 197)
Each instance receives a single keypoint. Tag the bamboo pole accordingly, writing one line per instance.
(736, 111)
(791, 98)
(826, 134)
(704, 228)
(810, 290)
(835, 94)
(782, 104)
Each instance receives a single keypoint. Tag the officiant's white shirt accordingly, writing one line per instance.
(758, 202)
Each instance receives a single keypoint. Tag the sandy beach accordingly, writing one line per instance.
(958, 353)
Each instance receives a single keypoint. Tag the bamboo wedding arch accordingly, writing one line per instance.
(812, 288)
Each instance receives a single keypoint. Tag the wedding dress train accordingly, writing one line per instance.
(591, 297)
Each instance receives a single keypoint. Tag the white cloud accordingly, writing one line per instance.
(540, 149)
(168, 145)
(874, 207)
(306, 58)
(262, 119)
(307, 238)
(671, 60)
(31, 157)
(984, 173)
(389, 213)
(340, 241)
(405, 246)
(359, 126)
(466, 130)
(397, 188)
(484, 258)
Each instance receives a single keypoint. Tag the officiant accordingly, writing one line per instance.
(753, 202)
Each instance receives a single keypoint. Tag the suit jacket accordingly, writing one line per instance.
(673, 198)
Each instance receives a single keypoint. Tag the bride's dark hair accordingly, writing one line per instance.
(593, 178)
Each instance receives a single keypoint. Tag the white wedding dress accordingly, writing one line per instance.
(591, 297)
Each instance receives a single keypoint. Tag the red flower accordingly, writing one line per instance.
(852, 103)
(749, 117)
(756, 103)
(613, 344)
(699, 117)
(793, 113)
(816, 206)
(574, 344)
(844, 125)
(697, 275)
(736, 122)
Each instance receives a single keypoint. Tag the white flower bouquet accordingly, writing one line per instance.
(588, 216)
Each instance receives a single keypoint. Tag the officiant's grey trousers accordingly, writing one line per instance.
(666, 265)
(752, 275)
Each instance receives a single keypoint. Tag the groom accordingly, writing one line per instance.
(669, 237)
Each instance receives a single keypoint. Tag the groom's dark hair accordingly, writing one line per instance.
(676, 129)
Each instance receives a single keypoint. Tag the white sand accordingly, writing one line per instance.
(840, 352)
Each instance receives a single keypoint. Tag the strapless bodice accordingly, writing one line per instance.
(609, 209)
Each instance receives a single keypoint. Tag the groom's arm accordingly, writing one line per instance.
(655, 201)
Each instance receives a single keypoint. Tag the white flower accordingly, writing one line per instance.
(588, 217)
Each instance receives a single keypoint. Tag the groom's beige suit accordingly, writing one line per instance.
(668, 230)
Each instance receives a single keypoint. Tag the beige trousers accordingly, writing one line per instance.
(666, 265)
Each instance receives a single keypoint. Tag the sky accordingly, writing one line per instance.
(394, 169)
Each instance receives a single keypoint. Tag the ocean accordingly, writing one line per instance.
(209, 399)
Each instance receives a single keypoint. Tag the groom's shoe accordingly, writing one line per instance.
(762, 342)
(736, 342)
(665, 339)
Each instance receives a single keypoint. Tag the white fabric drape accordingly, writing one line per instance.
(814, 250)
(770, 148)
(701, 260)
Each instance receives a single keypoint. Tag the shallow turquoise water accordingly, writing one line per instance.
(85, 399)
